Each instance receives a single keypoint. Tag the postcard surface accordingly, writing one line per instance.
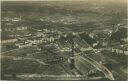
(64, 40)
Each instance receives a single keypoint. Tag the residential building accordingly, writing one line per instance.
(23, 45)
(9, 41)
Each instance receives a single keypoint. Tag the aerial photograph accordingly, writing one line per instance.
(64, 40)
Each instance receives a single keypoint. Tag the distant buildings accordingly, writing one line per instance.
(16, 28)
(9, 41)
(23, 45)
(14, 19)
(96, 39)
(22, 28)
(120, 50)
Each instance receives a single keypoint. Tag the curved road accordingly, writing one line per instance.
(98, 66)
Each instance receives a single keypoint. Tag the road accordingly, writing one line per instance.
(25, 58)
(32, 59)
(10, 50)
(95, 64)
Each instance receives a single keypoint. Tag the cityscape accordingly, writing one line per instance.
(64, 40)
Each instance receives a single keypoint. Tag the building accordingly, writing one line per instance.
(12, 28)
(122, 49)
(14, 19)
(22, 28)
(23, 45)
(9, 41)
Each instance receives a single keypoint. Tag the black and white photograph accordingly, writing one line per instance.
(64, 40)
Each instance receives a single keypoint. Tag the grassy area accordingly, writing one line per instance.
(116, 63)
(7, 47)
(21, 51)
